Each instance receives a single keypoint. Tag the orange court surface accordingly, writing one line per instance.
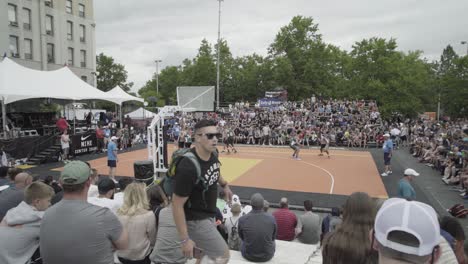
(274, 168)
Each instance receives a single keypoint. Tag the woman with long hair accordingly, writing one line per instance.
(140, 222)
(350, 243)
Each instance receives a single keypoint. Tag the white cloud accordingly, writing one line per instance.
(135, 33)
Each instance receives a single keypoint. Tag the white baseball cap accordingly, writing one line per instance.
(113, 138)
(415, 218)
(411, 172)
(386, 135)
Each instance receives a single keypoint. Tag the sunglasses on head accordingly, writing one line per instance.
(211, 135)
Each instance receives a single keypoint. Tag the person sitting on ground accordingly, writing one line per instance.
(21, 225)
(231, 227)
(406, 232)
(74, 231)
(286, 221)
(13, 196)
(309, 225)
(349, 243)
(140, 223)
(257, 230)
(106, 187)
(3, 177)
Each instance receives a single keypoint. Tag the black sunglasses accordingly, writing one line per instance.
(211, 135)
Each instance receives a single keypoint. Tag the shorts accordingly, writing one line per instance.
(187, 144)
(323, 146)
(387, 158)
(295, 147)
(230, 141)
(66, 151)
(181, 144)
(112, 163)
(403, 138)
(206, 237)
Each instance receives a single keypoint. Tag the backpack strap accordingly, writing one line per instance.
(195, 162)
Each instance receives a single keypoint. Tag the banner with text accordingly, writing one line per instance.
(83, 143)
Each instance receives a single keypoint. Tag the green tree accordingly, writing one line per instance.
(111, 74)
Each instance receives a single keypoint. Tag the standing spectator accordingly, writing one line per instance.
(21, 225)
(349, 243)
(194, 206)
(405, 190)
(387, 149)
(62, 124)
(74, 231)
(112, 157)
(266, 135)
(93, 188)
(406, 232)
(107, 136)
(100, 139)
(65, 143)
(286, 221)
(13, 196)
(257, 230)
(309, 225)
(106, 188)
(140, 223)
(89, 119)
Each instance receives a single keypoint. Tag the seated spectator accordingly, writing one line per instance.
(331, 222)
(231, 227)
(266, 206)
(123, 183)
(74, 231)
(13, 196)
(309, 225)
(257, 230)
(140, 223)
(93, 189)
(349, 243)
(406, 232)
(453, 227)
(157, 199)
(167, 248)
(3, 177)
(21, 225)
(286, 221)
(106, 187)
(49, 180)
(12, 172)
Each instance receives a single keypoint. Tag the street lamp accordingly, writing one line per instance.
(464, 42)
(157, 75)
(218, 51)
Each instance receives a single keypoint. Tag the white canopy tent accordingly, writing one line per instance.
(20, 83)
(141, 113)
(118, 96)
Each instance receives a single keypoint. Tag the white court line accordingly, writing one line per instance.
(302, 153)
(329, 174)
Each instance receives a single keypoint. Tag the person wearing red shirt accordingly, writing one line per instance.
(100, 138)
(286, 221)
(62, 124)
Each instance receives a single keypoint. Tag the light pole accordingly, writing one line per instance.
(464, 42)
(157, 75)
(218, 51)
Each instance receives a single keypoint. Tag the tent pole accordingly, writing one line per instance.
(74, 118)
(121, 124)
(4, 119)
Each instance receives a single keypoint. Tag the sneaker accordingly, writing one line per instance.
(446, 181)
(390, 172)
(297, 158)
(320, 154)
(384, 174)
(463, 194)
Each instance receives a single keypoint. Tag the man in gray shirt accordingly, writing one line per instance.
(257, 230)
(74, 231)
(309, 225)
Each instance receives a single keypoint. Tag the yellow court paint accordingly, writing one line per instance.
(25, 166)
(232, 168)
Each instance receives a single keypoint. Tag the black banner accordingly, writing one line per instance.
(83, 143)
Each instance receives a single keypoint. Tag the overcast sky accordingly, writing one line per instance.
(136, 32)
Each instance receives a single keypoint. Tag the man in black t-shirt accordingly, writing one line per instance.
(194, 207)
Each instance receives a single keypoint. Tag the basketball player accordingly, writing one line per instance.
(295, 146)
(324, 144)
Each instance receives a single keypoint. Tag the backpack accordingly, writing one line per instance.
(234, 240)
(177, 156)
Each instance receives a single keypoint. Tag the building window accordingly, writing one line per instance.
(14, 46)
(12, 15)
(49, 3)
(27, 19)
(70, 56)
(82, 33)
(50, 53)
(68, 7)
(69, 30)
(83, 58)
(81, 10)
(84, 78)
(49, 25)
(28, 49)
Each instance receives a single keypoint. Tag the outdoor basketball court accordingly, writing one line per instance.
(274, 169)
